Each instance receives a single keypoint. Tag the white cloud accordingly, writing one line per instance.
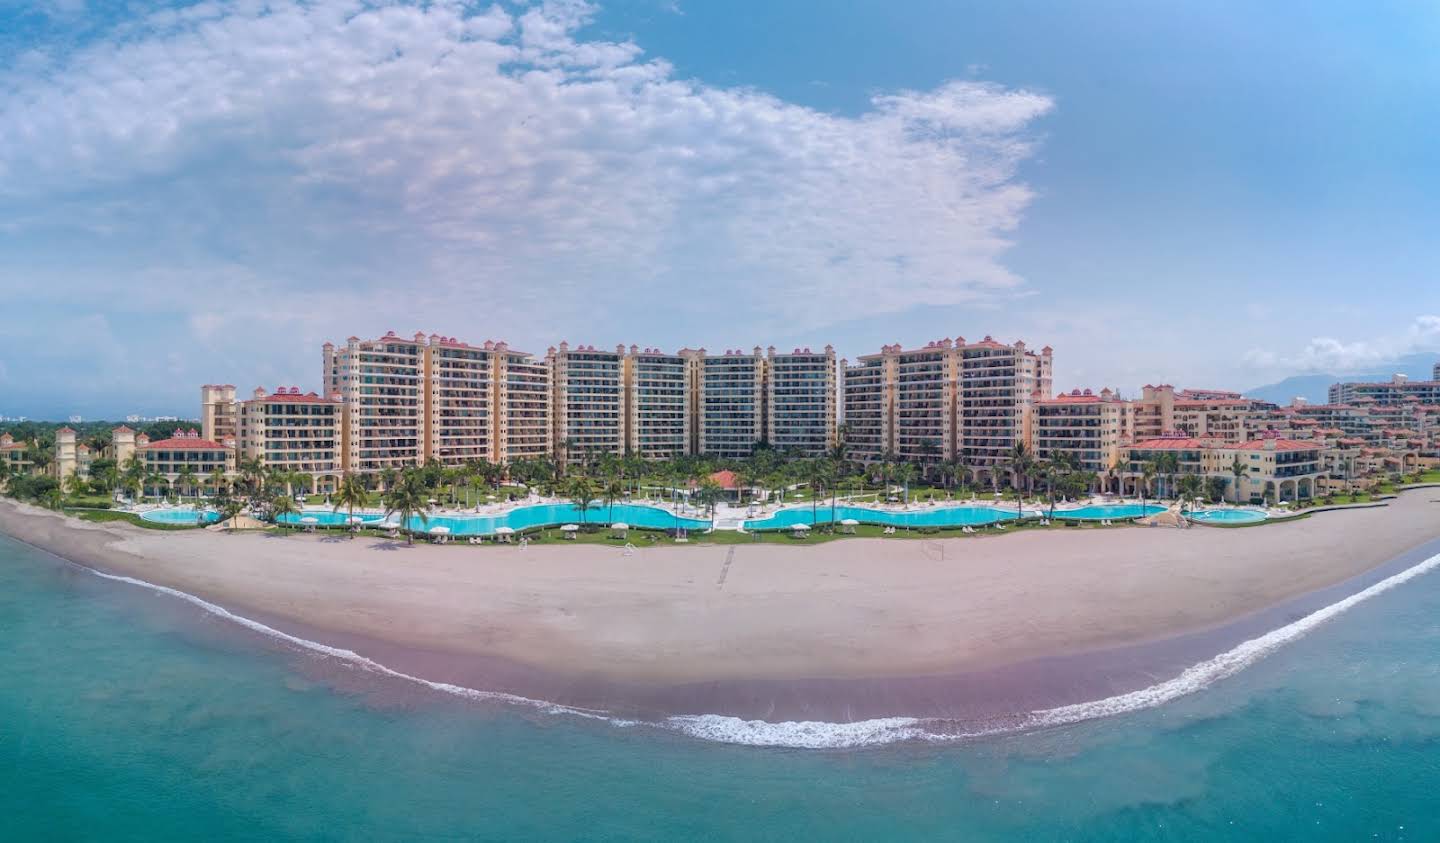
(1327, 354)
(403, 165)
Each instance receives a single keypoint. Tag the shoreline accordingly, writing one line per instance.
(805, 633)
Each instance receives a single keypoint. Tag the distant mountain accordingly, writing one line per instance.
(1316, 388)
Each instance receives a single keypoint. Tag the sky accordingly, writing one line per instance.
(1210, 194)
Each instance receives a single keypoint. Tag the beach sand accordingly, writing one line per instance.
(843, 629)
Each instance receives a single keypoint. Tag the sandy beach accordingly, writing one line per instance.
(599, 627)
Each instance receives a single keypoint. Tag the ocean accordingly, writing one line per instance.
(129, 714)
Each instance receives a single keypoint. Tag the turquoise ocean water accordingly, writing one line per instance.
(130, 715)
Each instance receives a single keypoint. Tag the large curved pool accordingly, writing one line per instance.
(523, 518)
(181, 515)
(943, 516)
(1116, 511)
(1228, 516)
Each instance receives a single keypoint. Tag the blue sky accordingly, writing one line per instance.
(1210, 194)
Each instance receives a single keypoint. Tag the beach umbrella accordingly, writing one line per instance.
(620, 527)
(355, 519)
(439, 530)
(850, 522)
(570, 528)
(801, 529)
(309, 519)
(432, 500)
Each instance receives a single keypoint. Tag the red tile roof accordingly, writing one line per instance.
(295, 397)
(1172, 443)
(1279, 445)
(183, 443)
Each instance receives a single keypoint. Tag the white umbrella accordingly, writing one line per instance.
(619, 525)
(309, 519)
(432, 500)
(849, 522)
(355, 519)
(439, 530)
(504, 531)
(570, 528)
(800, 528)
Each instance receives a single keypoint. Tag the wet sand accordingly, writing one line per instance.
(966, 628)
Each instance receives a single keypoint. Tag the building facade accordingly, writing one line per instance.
(658, 396)
(589, 401)
(729, 402)
(1085, 427)
(801, 394)
(295, 433)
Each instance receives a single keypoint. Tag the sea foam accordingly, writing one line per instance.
(878, 731)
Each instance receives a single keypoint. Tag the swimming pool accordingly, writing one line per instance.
(1116, 511)
(523, 518)
(1228, 516)
(943, 516)
(187, 515)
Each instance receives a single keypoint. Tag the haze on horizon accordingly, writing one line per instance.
(1212, 195)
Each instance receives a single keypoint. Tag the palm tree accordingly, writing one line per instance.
(1020, 461)
(707, 494)
(282, 505)
(217, 479)
(349, 493)
(1190, 486)
(905, 473)
(817, 475)
(1147, 474)
(76, 485)
(406, 499)
(185, 478)
(613, 490)
(582, 494)
(1239, 469)
(1168, 465)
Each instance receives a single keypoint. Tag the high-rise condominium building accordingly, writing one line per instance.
(1394, 391)
(382, 384)
(1087, 427)
(218, 412)
(729, 402)
(657, 403)
(945, 400)
(293, 432)
(522, 400)
(459, 401)
(589, 403)
(998, 387)
(800, 398)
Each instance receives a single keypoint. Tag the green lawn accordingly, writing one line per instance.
(104, 515)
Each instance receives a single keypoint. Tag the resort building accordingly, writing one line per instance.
(1393, 391)
(123, 445)
(218, 412)
(1204, 413)
(1274, 469)
(15, 454)
(382, 386)
(1086, 427)
(522, 402)
(998, 387)
(800, 400)
(1278, 469)
(945, 400)
(657, 403)
(295, 433)
(186, 459)
(459, 401)
(729, 402)
(71, 456)
(865, 408)
(589, 401)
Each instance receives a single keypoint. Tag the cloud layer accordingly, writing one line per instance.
(1330, 355)
(303, 170)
